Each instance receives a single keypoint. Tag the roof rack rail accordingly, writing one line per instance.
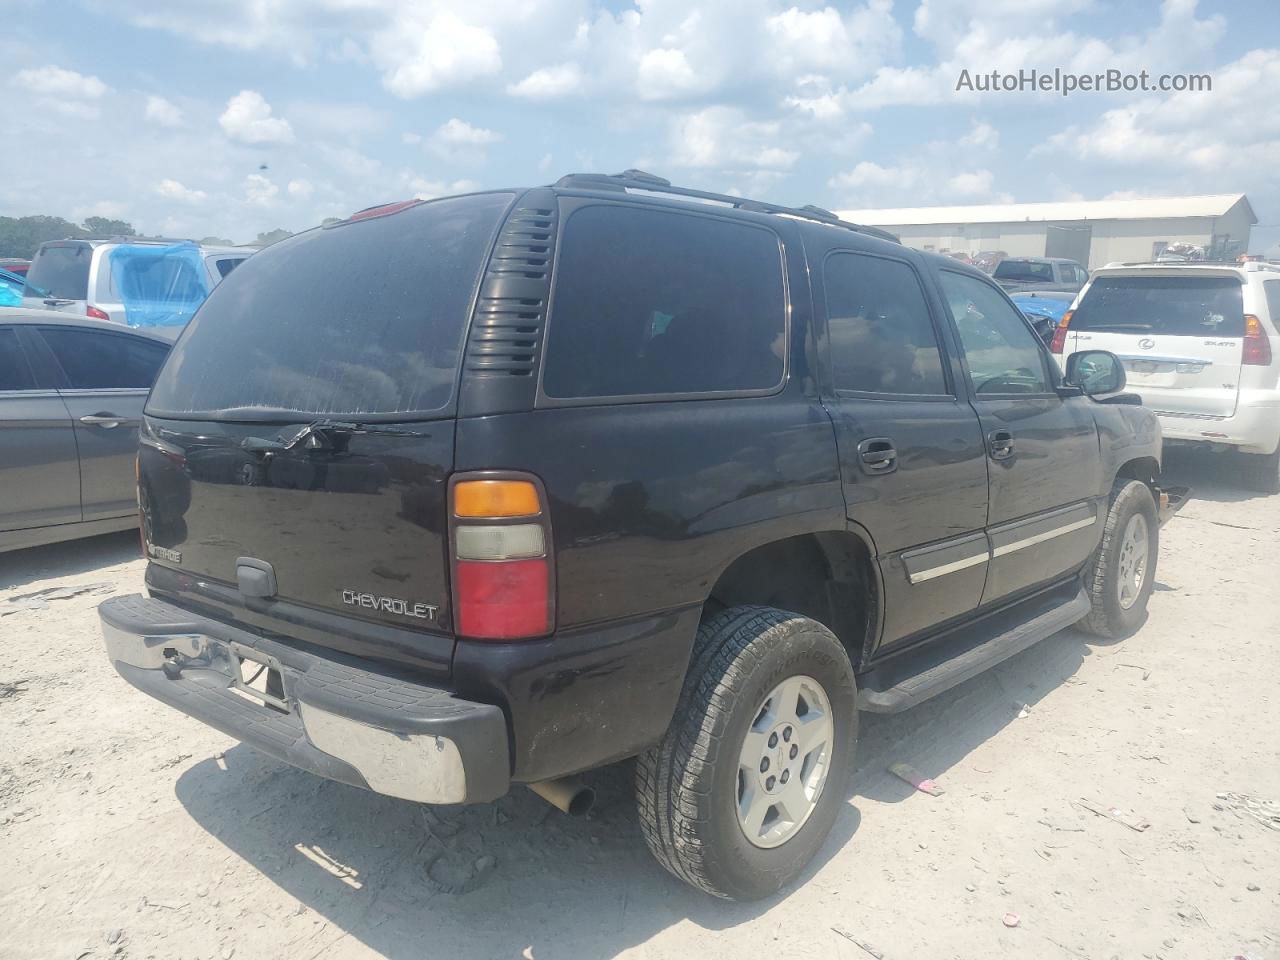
(640, 180)
(120, 238)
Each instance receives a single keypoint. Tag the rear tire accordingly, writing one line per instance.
(1262, 471)
(760, 680)
(1123, 573)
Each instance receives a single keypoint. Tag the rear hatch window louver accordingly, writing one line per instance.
(506, 331)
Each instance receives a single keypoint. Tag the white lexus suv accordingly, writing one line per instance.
(1199, 344)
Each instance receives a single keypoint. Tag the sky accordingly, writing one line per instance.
(231, 117)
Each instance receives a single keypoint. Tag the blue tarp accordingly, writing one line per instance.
(159, 286)
(1039, 305)
(11, 289)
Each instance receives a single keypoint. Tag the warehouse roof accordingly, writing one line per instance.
(1211, 205)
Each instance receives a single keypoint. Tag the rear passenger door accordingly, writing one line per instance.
(1045, 514)
(106, 379)
(39, 475)
(911, 453)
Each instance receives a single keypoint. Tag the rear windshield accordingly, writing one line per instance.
(366, 319)
(1175, 306)
(1027, 270)
(61, 272)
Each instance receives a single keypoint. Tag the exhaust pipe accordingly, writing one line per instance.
(567, 794)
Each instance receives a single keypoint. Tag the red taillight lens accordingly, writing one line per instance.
(502, 569)
(1257, 345)
(96, 313)
(503, 599)
(1059, 341)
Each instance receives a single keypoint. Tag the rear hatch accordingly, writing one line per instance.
(305, 420)
(1179, 333)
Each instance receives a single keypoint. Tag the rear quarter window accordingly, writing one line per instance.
(1174, 306)
(656, 302)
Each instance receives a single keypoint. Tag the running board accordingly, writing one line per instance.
(939, 667)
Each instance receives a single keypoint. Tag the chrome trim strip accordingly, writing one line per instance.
(1042, 537)
(944, 568)
(1198, 361)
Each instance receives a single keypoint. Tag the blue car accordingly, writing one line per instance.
(1044, 310)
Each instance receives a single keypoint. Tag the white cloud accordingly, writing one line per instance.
(248, 119)
(940, 171)
(174, 190)
(549, 83)
(258, 190)
(723, 137)
(425, 189)
(665, 73)
(163, 112)
(56, 82)
(981, 135)
(417, 58)
(455, 132)
(301, 189)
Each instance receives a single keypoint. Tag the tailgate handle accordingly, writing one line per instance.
(255, 578)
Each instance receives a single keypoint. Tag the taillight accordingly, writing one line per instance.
(1059, 341)
(503, 588)
(96, 312)
(1257, 345)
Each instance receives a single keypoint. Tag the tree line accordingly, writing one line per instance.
(21, 236)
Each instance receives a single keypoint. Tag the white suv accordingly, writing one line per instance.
(1200, 346)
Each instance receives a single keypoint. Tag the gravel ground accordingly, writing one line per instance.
(132, 831)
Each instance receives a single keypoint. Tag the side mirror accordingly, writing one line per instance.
(1096, 372)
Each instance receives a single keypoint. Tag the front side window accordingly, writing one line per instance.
(882, 340)
(102, 361)
(14, 372)
(1003, 354)
(657, 302)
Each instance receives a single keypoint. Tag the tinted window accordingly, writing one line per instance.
(882, 340)
(60, 271)
(227, 264)
(362, 318)
(1178, 306)
(96, 361)
(650, 302)
(1003, 353)
(1025, 270)
(14, 372)
(1272, 290)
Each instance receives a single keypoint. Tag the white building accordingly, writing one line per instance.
(1092, 232)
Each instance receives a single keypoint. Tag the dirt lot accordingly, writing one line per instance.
(132, 831)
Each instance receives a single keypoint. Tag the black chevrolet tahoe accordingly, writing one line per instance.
(499, 488)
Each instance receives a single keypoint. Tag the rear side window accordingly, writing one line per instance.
(1272, 290)
(655, 302)
(882, 340)
(14, 372)
(1174, 306)
(364, 318)
(60, 271)
(101, 361)
(227, 264)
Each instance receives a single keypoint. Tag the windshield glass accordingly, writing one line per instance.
(1180, 306)
(60, 271)
(363, 318)
(1027, 270)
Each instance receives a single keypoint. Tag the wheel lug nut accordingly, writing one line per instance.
(764, 764)
(786, 775)
(773, 739)
(786, 734)
(794, 751)
(768, 784)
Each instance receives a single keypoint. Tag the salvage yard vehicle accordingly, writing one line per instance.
(617, 469)
(71, 396)
(129, 280)
(1199, 343)
(1025, 274)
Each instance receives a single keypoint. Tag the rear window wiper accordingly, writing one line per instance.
(319, 434)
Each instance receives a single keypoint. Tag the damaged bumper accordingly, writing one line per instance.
(332, 719)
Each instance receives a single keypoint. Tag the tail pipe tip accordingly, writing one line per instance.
(566, 794)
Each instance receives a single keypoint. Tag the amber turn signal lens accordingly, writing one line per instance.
(495, 498)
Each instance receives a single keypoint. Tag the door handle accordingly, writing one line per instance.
(1000, 444)
(876, 456)
(105, 420)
